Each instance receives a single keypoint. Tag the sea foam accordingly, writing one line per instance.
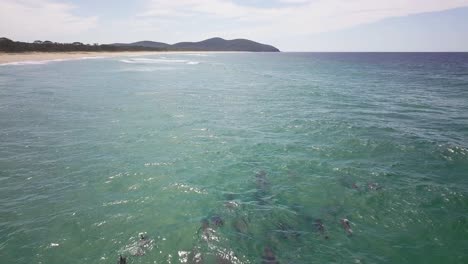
(25, 63)
(157, 61)
(42, 62)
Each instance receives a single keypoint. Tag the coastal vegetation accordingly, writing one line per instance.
(213, 44)
(8, 45)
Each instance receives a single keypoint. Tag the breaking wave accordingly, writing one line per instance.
(42, 62)
(158, 61)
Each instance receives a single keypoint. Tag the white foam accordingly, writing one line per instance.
(24, 63)
(193, 62)
(196, 54)
(187, 188)
(157, 61)
(91, 58)
(146, 93)
(157, 164)
(42, 62)
(169, 61)
(100, 223)
(127, 61)
(151, 61)
(153, 69)
(115, 203)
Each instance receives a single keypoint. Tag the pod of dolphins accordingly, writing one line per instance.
(241, 225)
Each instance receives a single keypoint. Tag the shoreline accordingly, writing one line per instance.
(11, 58)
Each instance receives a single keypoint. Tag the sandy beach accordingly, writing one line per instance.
(46, 56)
(7, 58)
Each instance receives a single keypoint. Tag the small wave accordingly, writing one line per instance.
(196, 54)
(99, 223)
(157, 61)
(24, 63)
(139, 245)
(91, 58)
(42, 62)
(146, 93)
(157, 164)
(115, 203)
(187, 188)
(127, 61)
(134, 187)
(147, 69)
(151, 61)
(170, 61)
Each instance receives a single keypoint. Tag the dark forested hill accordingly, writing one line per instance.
(219, 44)
(145, 43)
(213, 44)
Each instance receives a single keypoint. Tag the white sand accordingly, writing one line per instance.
(46, 56)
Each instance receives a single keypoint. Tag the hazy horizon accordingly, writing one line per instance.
(290, 25)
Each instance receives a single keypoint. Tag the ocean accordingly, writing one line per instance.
(235, 158)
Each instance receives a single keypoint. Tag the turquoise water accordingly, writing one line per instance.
(278, 147)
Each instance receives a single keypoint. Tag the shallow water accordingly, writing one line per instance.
(94, 152)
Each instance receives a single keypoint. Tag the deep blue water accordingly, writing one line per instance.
(233, 158)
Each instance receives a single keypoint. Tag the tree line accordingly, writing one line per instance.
(8, 45)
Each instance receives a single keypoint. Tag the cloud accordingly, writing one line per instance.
(293, 18)
(215, 8)
(41, 19)
(275, 22)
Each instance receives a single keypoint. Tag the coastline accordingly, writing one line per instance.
(6, 58)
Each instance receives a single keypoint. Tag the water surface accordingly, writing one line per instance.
(95, 152)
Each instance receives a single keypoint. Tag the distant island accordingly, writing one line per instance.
(212, 44)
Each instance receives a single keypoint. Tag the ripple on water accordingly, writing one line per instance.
(92, 153)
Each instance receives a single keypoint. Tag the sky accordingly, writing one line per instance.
(290, 25)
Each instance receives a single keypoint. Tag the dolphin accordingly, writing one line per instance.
(261, 180)
(373, 186)
(205, 228)
(143, 240)
(346, 226)
(122, 260)
(138, 247)
(217, 220)
(241, 225)
(319, 227)
(195, 257)
(269, 256)
(262, 186)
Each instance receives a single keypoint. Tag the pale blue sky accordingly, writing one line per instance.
(435, 31)
(291, 25)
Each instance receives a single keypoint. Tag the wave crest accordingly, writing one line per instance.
(158, 61)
